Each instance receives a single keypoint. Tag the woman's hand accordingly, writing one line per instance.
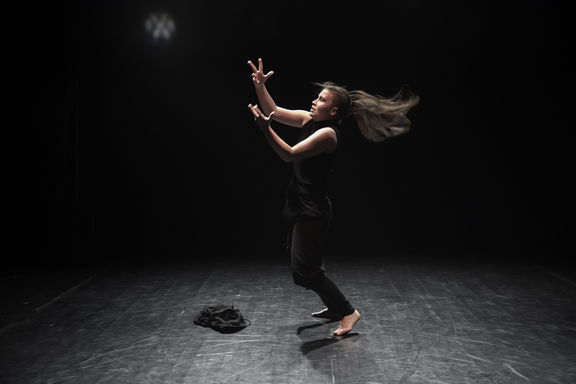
(260, 118)
(258, 76)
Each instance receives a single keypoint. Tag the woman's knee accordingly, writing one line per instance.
(301, 280)
(306, 280)
(299, 275)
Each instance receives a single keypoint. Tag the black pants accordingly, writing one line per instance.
(305, 246)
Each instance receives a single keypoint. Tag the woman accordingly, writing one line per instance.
(308, 209)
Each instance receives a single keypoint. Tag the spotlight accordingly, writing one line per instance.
(160, 26)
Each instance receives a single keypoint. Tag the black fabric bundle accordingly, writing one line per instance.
(221, 318)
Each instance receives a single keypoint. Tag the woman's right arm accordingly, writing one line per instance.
(294, 118)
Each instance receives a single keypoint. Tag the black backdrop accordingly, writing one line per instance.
(134, 149)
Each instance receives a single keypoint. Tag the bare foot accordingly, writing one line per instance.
(347, 323)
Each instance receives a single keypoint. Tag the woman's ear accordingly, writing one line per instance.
(334, 111)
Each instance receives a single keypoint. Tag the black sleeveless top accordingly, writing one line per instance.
(306, 193)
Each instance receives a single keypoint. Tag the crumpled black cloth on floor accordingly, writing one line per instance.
(221, 318)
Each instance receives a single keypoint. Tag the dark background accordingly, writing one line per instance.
(130, 149)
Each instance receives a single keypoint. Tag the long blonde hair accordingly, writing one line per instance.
(377, 117)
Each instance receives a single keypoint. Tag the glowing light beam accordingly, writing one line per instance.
(160, 26)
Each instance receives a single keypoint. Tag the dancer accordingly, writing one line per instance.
(308, 210)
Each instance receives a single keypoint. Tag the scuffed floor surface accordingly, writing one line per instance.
(424, 321)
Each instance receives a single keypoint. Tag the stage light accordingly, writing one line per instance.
(160, 26)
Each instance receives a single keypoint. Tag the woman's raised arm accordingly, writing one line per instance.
(294, 118)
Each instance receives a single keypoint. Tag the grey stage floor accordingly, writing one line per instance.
(424, 321)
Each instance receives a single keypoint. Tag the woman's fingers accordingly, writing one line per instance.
(258, 114)
(258, 75)
(254, 110)
(252, 66)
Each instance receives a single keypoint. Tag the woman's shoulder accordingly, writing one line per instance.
(308, 123)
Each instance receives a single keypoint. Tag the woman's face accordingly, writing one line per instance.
(324, 107)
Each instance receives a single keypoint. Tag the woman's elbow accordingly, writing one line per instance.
(289, 156)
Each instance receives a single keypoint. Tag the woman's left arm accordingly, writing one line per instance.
(323, 140)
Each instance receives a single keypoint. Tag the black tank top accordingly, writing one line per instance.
(306, 193)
